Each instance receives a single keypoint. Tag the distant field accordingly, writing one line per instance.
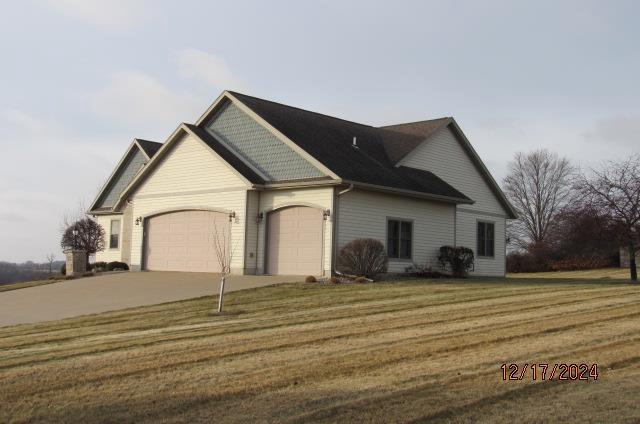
(421, 351)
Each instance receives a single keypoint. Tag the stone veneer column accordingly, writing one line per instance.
(76, 262)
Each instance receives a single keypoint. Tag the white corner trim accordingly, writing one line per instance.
(210, 109)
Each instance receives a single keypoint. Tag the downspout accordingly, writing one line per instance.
(336, 215)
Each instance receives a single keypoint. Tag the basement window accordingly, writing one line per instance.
(399, 239)
(114, 237)
(486, 239)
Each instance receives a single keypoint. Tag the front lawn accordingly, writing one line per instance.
(383, 352)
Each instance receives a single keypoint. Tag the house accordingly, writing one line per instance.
(288, 187)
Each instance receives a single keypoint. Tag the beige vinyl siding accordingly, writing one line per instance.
(467, 236)
(108, 254)
(443, 155)
(320, 197)
(191, 176)
(125, 234)
(364, 214)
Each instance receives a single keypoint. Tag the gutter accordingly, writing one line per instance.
(294, 184)
(410, 193)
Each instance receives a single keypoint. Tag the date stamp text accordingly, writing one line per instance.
(549, 372)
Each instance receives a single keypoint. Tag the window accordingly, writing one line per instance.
(114, 238)
(486, 243)
(399, 239)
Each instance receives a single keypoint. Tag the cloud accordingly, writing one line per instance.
(106, 14)
(621, 130)
(46, 168)
(133, 98)
(15, 121)
(208, 68)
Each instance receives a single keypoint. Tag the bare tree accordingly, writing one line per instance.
(224, 254)
(85, 234)
(614, 189)
(51, 257)
(69, 216)
(539, 186)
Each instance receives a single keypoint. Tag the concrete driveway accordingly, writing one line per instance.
(117, 291)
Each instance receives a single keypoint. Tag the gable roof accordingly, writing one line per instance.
(330, 141)
(228, 156)
(148, 149)
(414, 133)
(425, 129)
(218, 148)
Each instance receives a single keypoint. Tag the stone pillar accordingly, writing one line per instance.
(76, 262)
(624, 257)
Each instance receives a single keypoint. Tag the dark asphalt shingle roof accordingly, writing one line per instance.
(413, 133)
(330, 141)
(149, 147)
(225, 154)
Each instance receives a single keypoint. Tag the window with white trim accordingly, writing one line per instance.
(114, 235)
(486, 239)
(399, 239)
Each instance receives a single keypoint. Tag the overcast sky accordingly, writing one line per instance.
(80, 78)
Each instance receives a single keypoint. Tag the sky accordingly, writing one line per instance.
(79, 79)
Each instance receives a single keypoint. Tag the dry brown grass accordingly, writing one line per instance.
(589, 274)
(27, 284)
(421, 351)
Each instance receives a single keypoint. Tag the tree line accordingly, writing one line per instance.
(570, 218)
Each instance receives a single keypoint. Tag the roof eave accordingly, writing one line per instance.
(103, 212)
(133, 144)
(410, 193)
(311, 182)
(511, 212)
(166, 145)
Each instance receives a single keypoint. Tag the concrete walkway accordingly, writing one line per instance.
(117, 291)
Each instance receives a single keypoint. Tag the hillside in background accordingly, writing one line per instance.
(12, 272)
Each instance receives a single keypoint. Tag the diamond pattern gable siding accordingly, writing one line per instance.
(129, 170)
(260, 147)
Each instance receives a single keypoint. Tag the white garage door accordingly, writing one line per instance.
(184, 241)
(294, 241)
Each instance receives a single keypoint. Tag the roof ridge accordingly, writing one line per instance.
(301, 109)
(417, 122)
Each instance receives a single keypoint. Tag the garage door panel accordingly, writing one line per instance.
(183, 241)
(294, 243)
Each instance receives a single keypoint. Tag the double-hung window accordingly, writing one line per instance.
(399, 239)
(486, 243)
(114, 235)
